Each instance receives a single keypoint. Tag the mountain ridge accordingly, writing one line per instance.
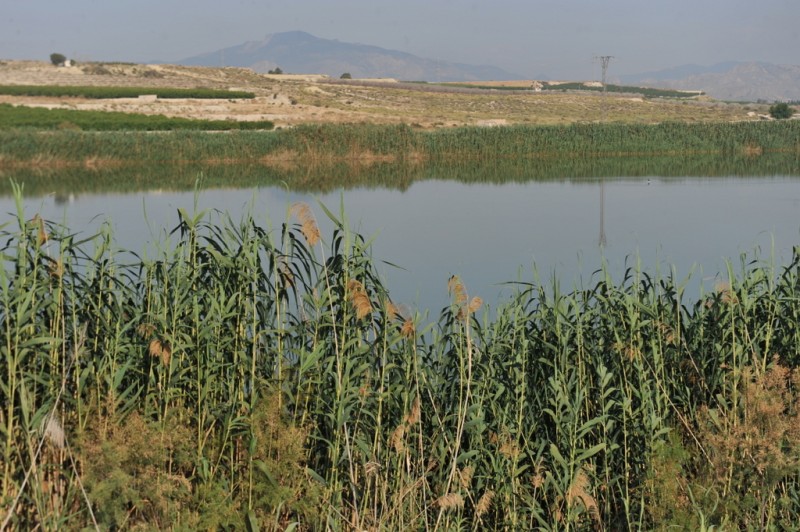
(300, 52)
(731, 80)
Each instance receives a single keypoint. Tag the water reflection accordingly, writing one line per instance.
(324, 178)
(435, 222)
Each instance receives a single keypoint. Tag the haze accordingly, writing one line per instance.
(553, 38)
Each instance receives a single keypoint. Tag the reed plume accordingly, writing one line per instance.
(308, 224)
(359, 299)
(579, 492)
(484, 504)
(450, 501)
(161, 350)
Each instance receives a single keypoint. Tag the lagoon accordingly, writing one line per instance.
(489, 233)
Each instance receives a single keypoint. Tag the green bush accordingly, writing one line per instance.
(781, 111)
(57, 59)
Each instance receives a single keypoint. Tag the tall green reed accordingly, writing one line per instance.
(263, 376)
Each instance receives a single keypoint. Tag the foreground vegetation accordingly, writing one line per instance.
(14, 117)
(101, 92)
(256, 377)
(400, 143)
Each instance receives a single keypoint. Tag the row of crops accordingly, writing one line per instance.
(247, 377)
(14, 117)
(100, 92)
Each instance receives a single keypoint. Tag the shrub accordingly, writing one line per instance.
(57, 59)
(780, 111)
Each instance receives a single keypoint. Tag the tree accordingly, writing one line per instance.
(346, 75)
(57, 59)
(780, 111)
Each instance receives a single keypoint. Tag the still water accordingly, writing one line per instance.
(490, 234)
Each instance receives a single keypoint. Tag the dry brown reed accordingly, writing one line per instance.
(53, 431)
(359, 299)
(474, 304)
(465, 476)
(456, 289)
(397, 440)
(408, 329)
(161, 350)
(416, 413)
(308, 224)
(450, 501)
(579, 491)
(484, 504)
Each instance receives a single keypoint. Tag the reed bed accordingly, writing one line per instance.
(330, 143)
(254, 376)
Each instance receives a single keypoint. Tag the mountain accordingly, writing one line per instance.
(679, 72)
(728, 81)
(302, 53)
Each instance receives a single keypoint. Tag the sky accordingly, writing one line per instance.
(558, 39)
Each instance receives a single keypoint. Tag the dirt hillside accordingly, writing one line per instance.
(296, 99)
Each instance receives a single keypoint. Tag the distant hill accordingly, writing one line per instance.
(728, 81)
(302, 53)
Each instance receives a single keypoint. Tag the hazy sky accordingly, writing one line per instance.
(557, 38)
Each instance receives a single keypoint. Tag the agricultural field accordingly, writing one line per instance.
(292, 100)
(48, 119)
(119, 92)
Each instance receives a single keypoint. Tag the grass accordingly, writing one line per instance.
(251, 376)
(340, 143)
(95, 92)
(14, 117)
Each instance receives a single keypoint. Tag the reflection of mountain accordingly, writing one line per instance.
(323, 178)
(302, 53)
(728, 81)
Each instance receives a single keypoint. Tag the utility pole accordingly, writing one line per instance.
(604, 61)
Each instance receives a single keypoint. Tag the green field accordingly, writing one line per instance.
(19, 117)
(630, 89)
(120, 92)
(579, 86)
(252, 377)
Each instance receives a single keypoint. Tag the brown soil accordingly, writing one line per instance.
(297, 99)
